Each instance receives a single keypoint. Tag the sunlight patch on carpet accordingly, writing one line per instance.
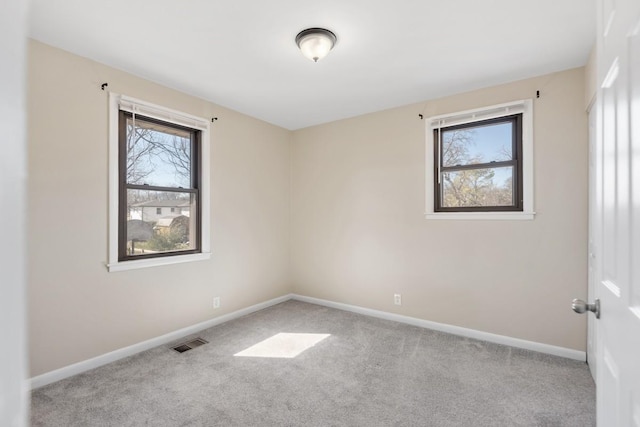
(283, 345)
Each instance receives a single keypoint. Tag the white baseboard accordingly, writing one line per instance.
(455, 330)
(86, 365)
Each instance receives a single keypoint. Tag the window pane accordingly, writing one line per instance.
(478, 144)
(158, 155)
(150, 232)
(478, 187)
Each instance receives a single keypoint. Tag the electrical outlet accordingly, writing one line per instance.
(397, 299)
(216, 302)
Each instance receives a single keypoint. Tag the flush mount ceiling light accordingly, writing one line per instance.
(315, 43)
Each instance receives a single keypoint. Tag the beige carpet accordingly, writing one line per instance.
(361, 371)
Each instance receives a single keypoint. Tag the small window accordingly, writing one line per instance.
(480, 163)
(158, 159)
(479, 166)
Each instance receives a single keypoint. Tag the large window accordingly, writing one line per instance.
(480, 162)
(158, 185)
(158, 167)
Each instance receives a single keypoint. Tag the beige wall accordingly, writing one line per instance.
(77, 310)
(334, 211)
(591, 78)
(359, 234)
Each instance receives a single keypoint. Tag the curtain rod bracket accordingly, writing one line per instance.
(103, 85)
(213, 119)
(421, 116)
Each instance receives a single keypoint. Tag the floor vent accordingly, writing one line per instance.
(189, 345)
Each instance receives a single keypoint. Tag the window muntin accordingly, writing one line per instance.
(159, 167)
(478, 166)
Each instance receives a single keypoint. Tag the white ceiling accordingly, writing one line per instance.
(241, 54)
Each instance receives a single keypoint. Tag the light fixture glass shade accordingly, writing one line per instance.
(315, 43)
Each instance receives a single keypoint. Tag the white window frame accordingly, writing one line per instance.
(118, 102)
(525, 107)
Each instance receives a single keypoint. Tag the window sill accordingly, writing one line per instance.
(154, 262)
(500, 216)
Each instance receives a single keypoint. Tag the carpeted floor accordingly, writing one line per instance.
(368, 372)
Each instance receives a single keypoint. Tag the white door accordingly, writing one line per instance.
(13, 191)
(617, 230)
(594, 191)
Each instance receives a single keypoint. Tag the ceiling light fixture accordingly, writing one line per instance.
(315, 43)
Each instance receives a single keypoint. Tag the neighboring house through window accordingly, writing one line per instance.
(480, 163)
(161, 163)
